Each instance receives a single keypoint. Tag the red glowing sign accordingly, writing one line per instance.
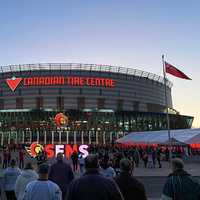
(13, 83)
(61, 80)
(195, 146)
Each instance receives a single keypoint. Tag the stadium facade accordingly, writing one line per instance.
(101, 102)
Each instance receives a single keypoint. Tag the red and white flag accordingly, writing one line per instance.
(170, 69)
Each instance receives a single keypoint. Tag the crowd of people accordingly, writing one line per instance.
(5, 162)
(107, 173)
(150, 156)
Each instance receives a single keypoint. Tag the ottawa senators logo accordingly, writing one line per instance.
(61, 120)
(35, 149)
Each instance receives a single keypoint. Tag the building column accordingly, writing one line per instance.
(89, 136)
(60, 135)
(110, 137)
(2, 138)
(52, 137)
(67, 137)
(45, 137)
(82, 137)
(30, 134)
(16, 137)
(23, 136)
(38, 136)
(9, 137)
(104, 137)
(74, 137)
(97, 137)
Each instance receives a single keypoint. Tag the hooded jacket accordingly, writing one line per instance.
(93, 186)
(130, 187)
(22, 181)
(181, 186)
(61, 174)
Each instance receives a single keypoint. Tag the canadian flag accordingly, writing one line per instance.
(170, 69)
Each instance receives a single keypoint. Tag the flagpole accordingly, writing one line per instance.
(166, 106)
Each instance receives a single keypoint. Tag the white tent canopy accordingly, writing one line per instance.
(187, 136)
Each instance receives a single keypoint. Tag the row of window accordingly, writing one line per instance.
(60, 105)
(122, 120)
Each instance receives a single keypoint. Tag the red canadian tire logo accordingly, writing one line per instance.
(13, 82)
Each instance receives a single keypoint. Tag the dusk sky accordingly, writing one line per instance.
(124, 33)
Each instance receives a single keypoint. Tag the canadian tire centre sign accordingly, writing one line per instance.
(14, 82)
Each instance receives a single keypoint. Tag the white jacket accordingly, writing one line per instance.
(22, 181)
(10, 177)
(42, 190)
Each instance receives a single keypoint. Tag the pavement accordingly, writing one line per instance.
(190, 167)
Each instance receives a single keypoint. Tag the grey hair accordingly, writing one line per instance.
(126, 165)
(177, 163)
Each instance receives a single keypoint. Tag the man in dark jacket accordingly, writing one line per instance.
(129, 186)
(180, 185)
(74, 158)
(92, 185)
(61, 174)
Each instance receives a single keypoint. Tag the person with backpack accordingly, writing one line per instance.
(180, 185)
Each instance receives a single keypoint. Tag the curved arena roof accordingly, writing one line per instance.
(83, 67)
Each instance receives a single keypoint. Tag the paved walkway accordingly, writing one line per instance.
(191, 167)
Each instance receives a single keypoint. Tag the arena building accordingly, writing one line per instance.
(101, 102)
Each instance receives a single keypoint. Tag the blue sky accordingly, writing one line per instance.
(125, 33)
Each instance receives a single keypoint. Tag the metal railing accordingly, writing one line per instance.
(84, 67)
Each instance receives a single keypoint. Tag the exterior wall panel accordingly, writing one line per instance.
(128, 87)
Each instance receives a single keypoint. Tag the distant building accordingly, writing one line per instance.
(101, 102)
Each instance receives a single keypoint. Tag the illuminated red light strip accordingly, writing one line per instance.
(195, 146)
